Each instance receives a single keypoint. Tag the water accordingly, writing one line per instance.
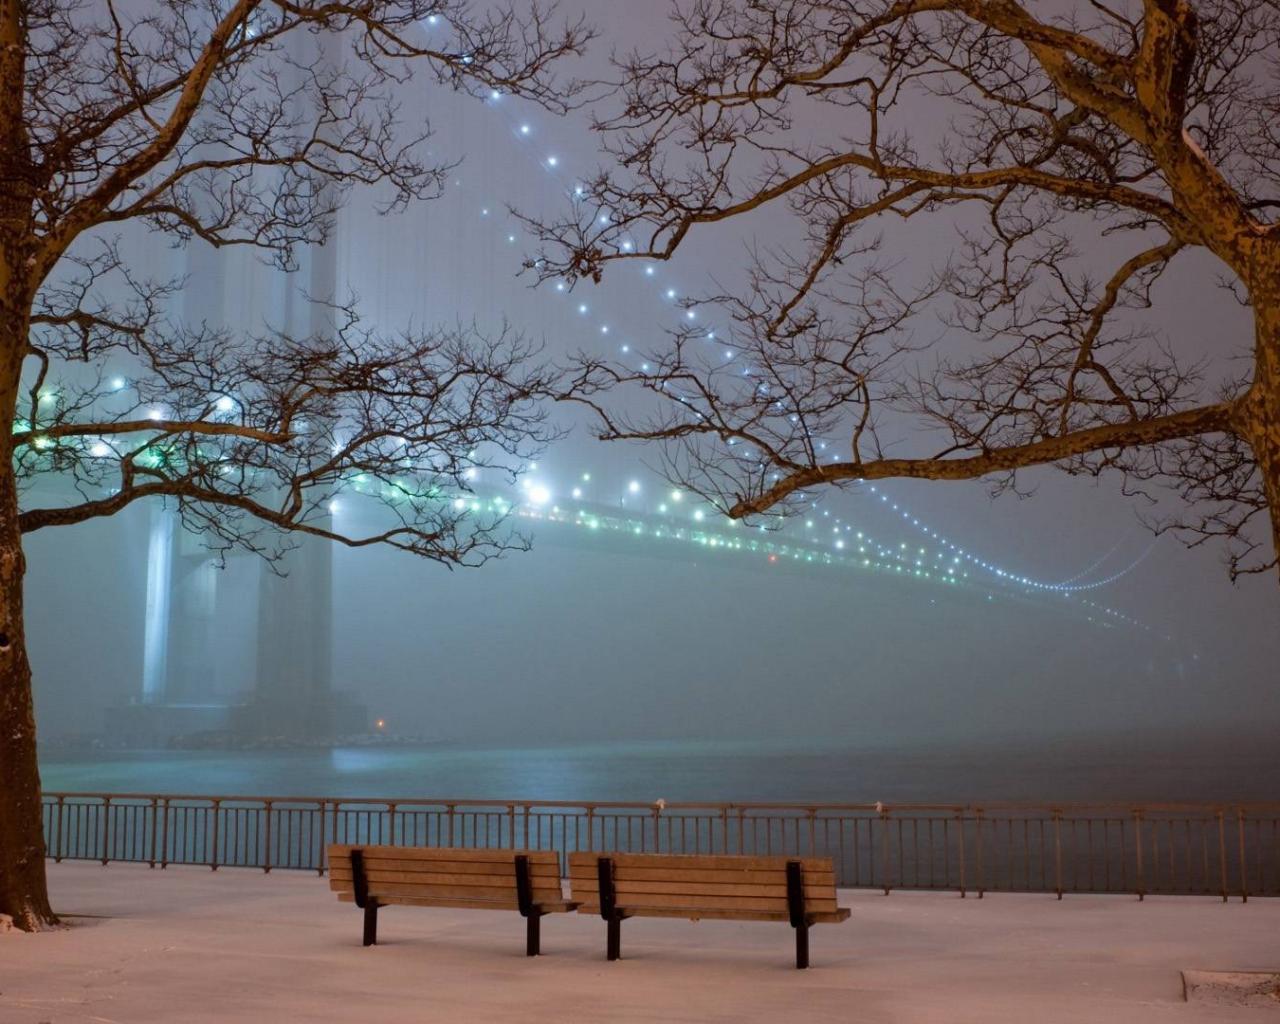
(1192, 769)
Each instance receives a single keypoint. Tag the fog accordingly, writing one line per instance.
(593, 638)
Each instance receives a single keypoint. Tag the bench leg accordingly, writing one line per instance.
(371, 923)
(615, 938)
(802, 947)
(533, 935)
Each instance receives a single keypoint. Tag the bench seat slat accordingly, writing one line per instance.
(676, 861)
(651, 899)
(408, 888)
(824, 917)
(506, 878)
(627, 886)
(441, 866)
(582, 874)
(559, 907)
(460, 854)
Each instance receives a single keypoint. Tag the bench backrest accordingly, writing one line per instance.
(727, 885)
(445, 874)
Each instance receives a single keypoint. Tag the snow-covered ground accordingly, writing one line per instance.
(186, 945)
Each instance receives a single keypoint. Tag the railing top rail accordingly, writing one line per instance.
(982, 807)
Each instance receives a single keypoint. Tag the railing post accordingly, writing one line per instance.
(724, 829)
(742, 830)
(1222, 853)
(1244, 875)
(591, 830)
(213, 849)
(391, 817)
(155, 825)
(977, 815)
(106, 828)
(333, 829)
(884, 850)
(813, 832)
(58, 830)
(1057, 852)
(449, 809)
(511, 826)
(1137, 832)
(960, 830)
(164, 833)
(266, 845)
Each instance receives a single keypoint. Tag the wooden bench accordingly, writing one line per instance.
(801, 891)
(418, 876)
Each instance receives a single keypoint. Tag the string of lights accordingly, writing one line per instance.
(526, 137)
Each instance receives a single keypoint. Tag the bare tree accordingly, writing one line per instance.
(1074, 150)
(240, 123)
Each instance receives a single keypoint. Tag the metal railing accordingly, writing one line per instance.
(1180, 849)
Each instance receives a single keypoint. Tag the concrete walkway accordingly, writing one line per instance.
(189, 945)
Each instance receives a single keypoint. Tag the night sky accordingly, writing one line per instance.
(583, 639)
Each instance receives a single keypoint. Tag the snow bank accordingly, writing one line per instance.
(190, 945)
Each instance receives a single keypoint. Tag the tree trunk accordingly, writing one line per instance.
(23, 892)
(1259, 419)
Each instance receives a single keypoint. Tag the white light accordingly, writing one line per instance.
(586, 477)
(671, 293)
(552, 161)
(578, 190)
(604, 328)
(698, 515)
(333, 506)
(604, 218)
(689, 314)
(155, 414)
(511, 238)
(493, 93)
(559, 286)
(225, 404)
(633, 487)
(118, 383)
(539, 494)
(525, 129)
(100, 450)
(627, 247)
(471, 473)
(577, 492)
(432, 19)
(484, 212)
(583, 309)
(677, 496)
(649, 271)
(459, 503)
(626, 348)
